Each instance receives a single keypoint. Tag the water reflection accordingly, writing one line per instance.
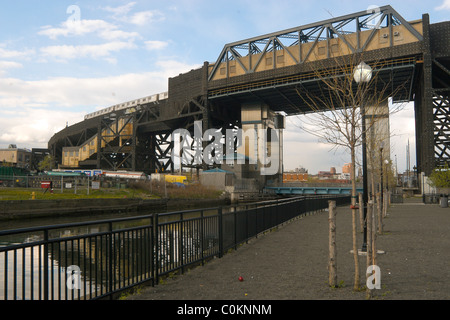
(22, 277)
(104, 260)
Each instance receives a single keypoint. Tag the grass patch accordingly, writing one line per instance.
(26, 194)
(172, 191)
(140, 190)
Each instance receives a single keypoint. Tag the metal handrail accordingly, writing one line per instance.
(117, 258)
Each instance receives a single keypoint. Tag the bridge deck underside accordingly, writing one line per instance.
(284, 94)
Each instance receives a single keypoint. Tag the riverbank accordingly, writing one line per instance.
(17, 203)
(33, 209)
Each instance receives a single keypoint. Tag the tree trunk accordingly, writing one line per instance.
(361, 211)
(380, 213)
(355, 250)
(374, 237)
(369, 245)
(389, 198)
(386, 198)
(332, 265)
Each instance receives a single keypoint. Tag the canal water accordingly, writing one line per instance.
(27, 263)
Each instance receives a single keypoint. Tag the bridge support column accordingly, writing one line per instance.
(261, 145)
(423, 105)
(378, 138)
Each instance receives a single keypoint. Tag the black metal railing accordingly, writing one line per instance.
(98, 259)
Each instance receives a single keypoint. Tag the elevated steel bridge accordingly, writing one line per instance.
(272, 70)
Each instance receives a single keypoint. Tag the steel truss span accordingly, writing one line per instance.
(350, 34)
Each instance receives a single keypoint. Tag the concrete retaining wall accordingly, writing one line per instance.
(15, 209)
(28, 209)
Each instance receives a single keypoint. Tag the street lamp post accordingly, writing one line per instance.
(363, 73)
(381, 175)
(387, 169)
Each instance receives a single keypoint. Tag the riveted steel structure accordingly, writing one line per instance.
(270, 70)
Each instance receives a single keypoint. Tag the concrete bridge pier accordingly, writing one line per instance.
(378, 140)
(258, 161)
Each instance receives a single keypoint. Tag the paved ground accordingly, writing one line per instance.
(291, 262)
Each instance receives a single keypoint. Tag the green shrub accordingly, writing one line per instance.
(440, 177)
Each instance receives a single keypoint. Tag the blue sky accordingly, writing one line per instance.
(53, 72)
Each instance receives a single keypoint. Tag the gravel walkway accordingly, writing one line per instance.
(290, 263)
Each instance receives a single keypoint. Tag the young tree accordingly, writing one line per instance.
(47, 164)
(440, 177)
(338, 108)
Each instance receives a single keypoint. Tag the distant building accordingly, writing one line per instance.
(327, 174)
(333, 176)
(347, 168)
(345, 176)
(295, 177)
(301, 170)
(16, 157)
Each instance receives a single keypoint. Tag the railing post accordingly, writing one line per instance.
(235, 229)
(155, 247)
(256, 220)
(46, 279)
(246, 223)
(111, 257)
(201, 234)
(150, 248)
(277, 216)
(220, 233)
(181, 242)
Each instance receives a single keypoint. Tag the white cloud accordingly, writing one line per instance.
(155, 45)
(118, 34)
(69, 92)
(145, 17)
(28, 108)
(305, 150)
(78, 28)
(8, 54)
(5, 65)
(444, 6)
(101, 28)
(139, 18)
(173, 68)
(10, 65)
(33, 127)
(120, 11)
(65, 52)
